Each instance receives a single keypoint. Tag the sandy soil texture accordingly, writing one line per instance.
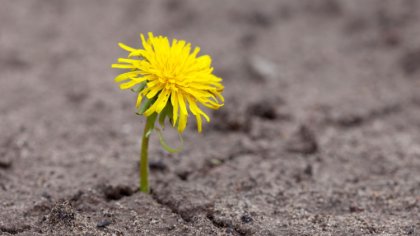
(320, 133)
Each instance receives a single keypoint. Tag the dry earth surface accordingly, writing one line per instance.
(320, 133)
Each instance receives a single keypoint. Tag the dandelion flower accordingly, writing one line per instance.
(171, 76)
(169, 80)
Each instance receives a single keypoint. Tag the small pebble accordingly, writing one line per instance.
(246, 219)
(103, 223)
(354, 208)
(46, 195)
(262, 68)
(215, 162)
(158, 165)
(5, 163)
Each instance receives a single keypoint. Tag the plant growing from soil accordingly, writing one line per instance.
(168, 79)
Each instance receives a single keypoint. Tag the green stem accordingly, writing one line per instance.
(144, 162)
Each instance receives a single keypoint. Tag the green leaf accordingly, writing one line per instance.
(138, 88)
(166, 112)
(150, 124)
(145, 105)
(166, 147)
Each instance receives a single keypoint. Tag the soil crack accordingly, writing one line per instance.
(358, 119)
(171, 206)
(14, 229)
(226, 225)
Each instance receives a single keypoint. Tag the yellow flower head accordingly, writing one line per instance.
(170, 79)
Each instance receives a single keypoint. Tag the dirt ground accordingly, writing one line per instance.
(320, 133)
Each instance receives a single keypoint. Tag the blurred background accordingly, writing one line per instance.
(319, 131)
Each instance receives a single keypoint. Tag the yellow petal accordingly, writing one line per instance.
(151, 110)
(125, 47)
(126, 76)
(139, 99)
(162, 100)
(196, 110)
(128, 85)
(199, 121)
(153, 91)
(132, 83)
(130, 61)
(182, 122)
(174, 101)
(145, 43)
(181, 103)
(123, 66)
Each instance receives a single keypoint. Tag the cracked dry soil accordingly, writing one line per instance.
(320, 133)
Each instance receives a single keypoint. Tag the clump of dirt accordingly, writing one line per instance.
(232, 118)
(410, 62)
(303, 140)
(62, 213)
(116, 192)
(265, 108)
